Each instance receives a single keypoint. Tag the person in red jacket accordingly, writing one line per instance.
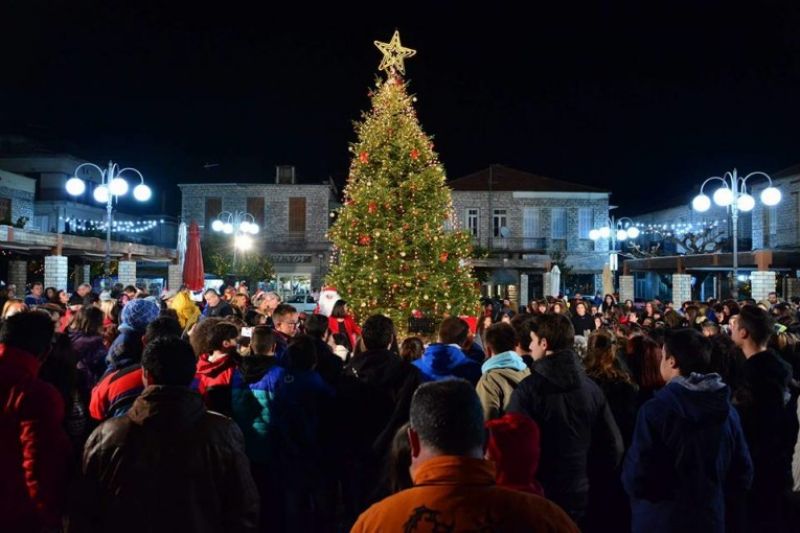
(343, 327)
(115, 393)
(34, 449)
(215, 369)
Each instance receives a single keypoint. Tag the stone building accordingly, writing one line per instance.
(16, 197)
(520, 219)
(293, 219)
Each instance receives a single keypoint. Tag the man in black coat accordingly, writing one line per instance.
(770, 427)
(375, 397)
(577, 427)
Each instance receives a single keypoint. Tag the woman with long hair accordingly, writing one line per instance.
(13, 306)
(483, 324)
(643, 356)
(608, 303)
(609, 508)
(86, 334)
(343, 326)
(606, 370)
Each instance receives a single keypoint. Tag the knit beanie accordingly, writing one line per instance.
(514, 447)
(138, 313)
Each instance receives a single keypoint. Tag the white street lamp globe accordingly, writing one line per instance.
(75, 186)
(253, 228)
(594, 234)
(701, 203)
(243, 242)
(118, 187)
(633, 232)
(142, 192)
(101, 194)
(244, 227)
(771, 196)
(622, 234)
(227, 228)
(746, 202)
(723, 197)
(605, 232)
(217, 225)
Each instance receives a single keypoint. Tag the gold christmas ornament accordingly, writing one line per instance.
(394, 54)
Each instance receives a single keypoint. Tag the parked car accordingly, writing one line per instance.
(304, 303)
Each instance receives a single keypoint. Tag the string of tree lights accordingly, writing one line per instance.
(119, 226)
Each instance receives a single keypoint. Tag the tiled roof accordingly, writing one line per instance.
(504, 178)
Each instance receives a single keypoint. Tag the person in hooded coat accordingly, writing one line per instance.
(502, 372)
(689, 451)
(446, 358)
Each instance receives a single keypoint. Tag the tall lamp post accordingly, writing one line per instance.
(620, 230)
(241, 225)
(733, 195)
(112, 186)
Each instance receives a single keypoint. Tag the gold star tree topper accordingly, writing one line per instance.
(394, 54)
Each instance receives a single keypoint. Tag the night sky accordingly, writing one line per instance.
(645, 101)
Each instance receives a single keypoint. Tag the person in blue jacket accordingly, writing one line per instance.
(688, 454)
(445, 359)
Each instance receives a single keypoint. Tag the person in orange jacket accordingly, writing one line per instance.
(454, 486)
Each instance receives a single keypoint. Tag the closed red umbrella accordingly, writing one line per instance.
(193, 272)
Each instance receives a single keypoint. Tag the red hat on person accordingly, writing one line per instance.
(514, 447)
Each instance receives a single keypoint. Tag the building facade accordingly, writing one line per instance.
(17, 194)
(55, 211)
(764, 229)
(293, 219)
(520, 220)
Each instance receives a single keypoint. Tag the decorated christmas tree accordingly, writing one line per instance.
(397, 249)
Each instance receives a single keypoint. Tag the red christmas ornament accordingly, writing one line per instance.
(372, 208)
(414, 154)
(443, 257)
(363, 157)
(416, 313)
(364, 240)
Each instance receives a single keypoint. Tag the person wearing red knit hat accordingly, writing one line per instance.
(513, 447)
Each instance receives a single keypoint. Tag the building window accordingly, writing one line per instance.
(213, 209)
(297, 215)
(5, 210)
(585, 222)
(499, 220)
(255, 206)
(531, 223)
(473, 219)
(558, 221)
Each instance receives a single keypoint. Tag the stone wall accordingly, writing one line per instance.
(21, 203)
(762, 283)
(55, 271)
(127, 272)
(681, 289)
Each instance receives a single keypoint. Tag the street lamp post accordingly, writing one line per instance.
(733, 195)
(241, 225)
(621, 230)
(112, 186)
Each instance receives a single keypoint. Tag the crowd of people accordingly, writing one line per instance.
(123, 411)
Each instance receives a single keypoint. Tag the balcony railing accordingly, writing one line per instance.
(518, 244)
